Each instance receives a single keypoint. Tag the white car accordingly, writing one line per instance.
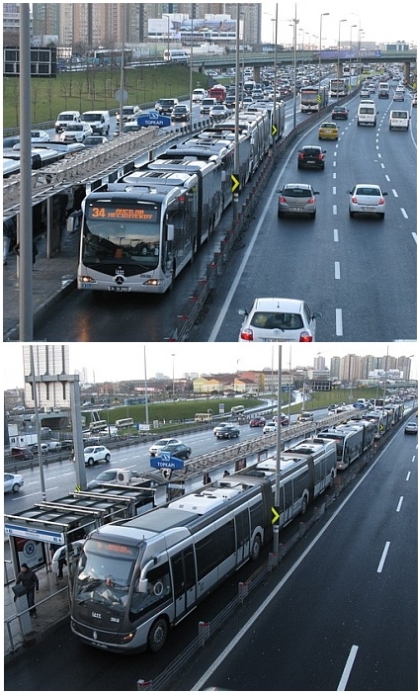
(278, 320)
(162, 443)
(96, 453)
(76, 132)
(112, 476)
(13, 482)
(128, 112)
(367, 198)
(270, 427)
(38, 136)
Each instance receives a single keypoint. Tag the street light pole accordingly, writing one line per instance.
(324, 14)
(276, 528)
(173, 376)
(352, 26)
(295, 23)
(338, 53)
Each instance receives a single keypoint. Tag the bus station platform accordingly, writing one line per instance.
(53, 278)
(52, 606)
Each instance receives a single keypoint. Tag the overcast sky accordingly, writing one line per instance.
(379, 22)
(125, 361)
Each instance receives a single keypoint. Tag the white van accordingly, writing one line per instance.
(399, 120)
(99, 121)
(65, 118)
(366, 113)
(198, 95)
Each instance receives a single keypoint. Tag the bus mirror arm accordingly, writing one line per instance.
(143, 582)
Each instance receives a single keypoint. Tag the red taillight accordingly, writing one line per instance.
(354, 199)
(282, 199)
(381, 201)
(247, 335)
(310, 201)
(305, 337)
(320, 156)
(301, 155)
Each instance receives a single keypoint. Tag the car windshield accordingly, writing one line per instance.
(269, 320)
(75, 127)
(297, 192)
(311, 151)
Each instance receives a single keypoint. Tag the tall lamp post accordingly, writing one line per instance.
(338, 54)
(169, 19)
(324, 14)
(352, 26)
(295, 23)
(173, 376)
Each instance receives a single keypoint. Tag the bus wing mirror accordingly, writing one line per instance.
(142, 585)
(171, 232)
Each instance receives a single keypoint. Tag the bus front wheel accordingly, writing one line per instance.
(157, 635)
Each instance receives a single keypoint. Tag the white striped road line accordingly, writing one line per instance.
(337, 270)
(336, 235)
(339, 322)
(404, 213)
(400, 502)
(347, 669)
(394, 192)
(383, 557)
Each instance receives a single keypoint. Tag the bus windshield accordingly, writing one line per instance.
(114, 233)
(104, 573)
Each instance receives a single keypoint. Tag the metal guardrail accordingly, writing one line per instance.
(20, 637)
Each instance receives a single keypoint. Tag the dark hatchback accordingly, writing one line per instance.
(176, 450)
(339, 113)
(311, 156)
(228, 432)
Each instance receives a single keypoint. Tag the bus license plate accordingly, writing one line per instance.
(119, 288)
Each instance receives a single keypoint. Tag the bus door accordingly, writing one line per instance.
(184, 579)
(242, 527)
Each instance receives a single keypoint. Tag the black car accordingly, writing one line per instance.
(180, 113)
(179, 450)
(228, 432)
(311, 156)
(339, 113)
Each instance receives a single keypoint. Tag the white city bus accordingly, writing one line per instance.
(124, 423)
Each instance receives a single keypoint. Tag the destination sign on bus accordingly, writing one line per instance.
(98, 211)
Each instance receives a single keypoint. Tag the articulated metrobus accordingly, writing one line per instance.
(339, 87)
(312, 99)
(137, 578)
(141, 231)
(351, 440)
(306, 470)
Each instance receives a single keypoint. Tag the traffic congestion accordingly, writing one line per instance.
(346, 271)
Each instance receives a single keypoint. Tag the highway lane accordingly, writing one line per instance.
(60, 477)
(343, 267)
(343, 616)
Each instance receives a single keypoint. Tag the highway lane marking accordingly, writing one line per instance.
(336, 235)
(339, 322)
(347, 669)
(387, 177)
(414, 236)
(400, 502)
(404, 213)
(334, 190)
(413, 459)
(334, 209)
(337, 270)
(407, 478)
(383, 557)
(394, 192)
(334, 175)
(237, 638)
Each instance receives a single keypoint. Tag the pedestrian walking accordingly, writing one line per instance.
(29, 580)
